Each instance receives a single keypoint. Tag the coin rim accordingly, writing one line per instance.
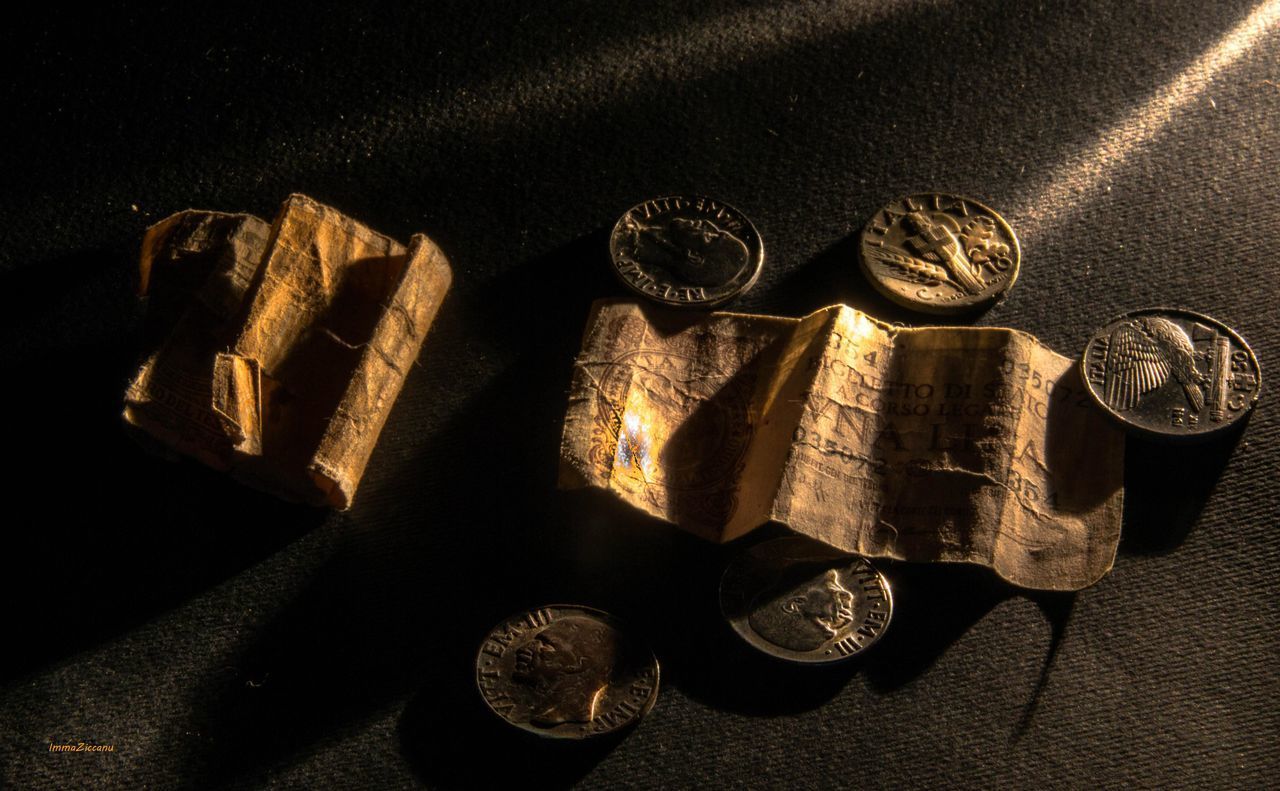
(1148, 433)
(747, 634)
(611, 620)
(932, 308)
(708, 304)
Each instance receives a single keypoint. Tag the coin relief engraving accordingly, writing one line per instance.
(1171, 373)
(686, 251)
(939, 253)
(797, 599)
(566, 672)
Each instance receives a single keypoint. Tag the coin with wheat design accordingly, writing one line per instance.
(566, 672)
(939, 253)
(1171, 374)
(799, 600)
(686, 251)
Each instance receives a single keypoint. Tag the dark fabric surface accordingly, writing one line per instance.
(216, 636)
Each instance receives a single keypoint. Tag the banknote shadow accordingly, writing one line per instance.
(455, 527)
(934, 605)
(425, 562)
(1167, 488)
(664, 582)
(710, 663)
(1057, 609)
(113, 534)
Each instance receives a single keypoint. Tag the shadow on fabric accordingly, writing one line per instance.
(105, 536)
(1167, 487)
(834, 276)
(453, 529)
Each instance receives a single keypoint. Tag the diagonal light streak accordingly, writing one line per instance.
(1077, 180)
(573, 84)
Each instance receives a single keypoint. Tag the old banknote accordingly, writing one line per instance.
(285, 344)
(954, 444)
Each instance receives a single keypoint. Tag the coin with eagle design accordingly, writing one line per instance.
(939, 253)
(1171, 373)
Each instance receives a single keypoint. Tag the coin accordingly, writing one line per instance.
(686, 251)
(797, 599)
(940, 253)
(1170, 373)
(566, 672)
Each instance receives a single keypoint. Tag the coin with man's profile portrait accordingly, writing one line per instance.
(797, 599)
(567, 672)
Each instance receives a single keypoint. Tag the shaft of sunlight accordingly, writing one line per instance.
(1077, 180)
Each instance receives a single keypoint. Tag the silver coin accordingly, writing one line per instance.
(1170, 373)
(566, 672)
(799, 600)
(939, 253)
(686, 251)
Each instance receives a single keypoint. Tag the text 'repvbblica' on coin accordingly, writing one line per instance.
(686, 251)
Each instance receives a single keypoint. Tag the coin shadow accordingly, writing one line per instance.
(834, 276)
(1077, 433)
(1167, 487)
(708, 661)
(934, 606)
(587, 548)
(716, 667)
(448, 736)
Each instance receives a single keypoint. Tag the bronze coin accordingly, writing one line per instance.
(1167, 373)
(940, 253)
(566, 672)
(797, 599)
(686, 251)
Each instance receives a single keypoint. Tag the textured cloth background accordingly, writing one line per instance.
(215, 636)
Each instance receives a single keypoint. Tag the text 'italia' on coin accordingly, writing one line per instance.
(800, 600)
(686, 251)
(566, 672)
(939, 253)
(1167, 373)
